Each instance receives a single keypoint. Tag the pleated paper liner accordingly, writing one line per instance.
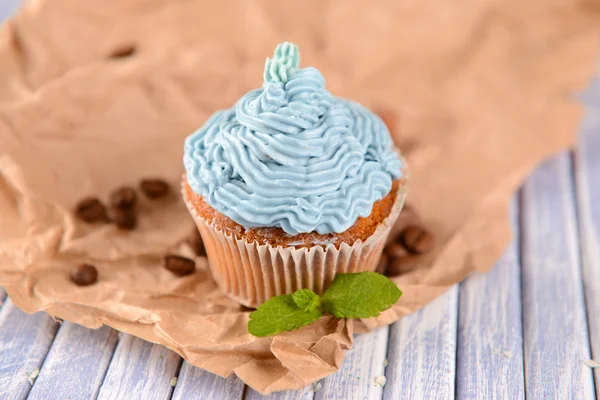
(251, 273)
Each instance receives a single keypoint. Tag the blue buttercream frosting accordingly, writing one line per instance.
(291, 155)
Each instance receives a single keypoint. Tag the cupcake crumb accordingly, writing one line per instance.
(316, 386)
(380, 381)
(31, 376)
(591, 363)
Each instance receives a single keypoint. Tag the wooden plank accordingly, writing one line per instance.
(303, 394)
(555, 330)
(140, 370)
(24, 343)
(587, 178)
(361, 366)
(490, 344)
(195, 383)
(76, 363)
(422, 352)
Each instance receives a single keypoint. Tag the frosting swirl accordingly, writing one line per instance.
(291, 155)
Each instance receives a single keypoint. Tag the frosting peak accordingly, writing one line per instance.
(291, 155)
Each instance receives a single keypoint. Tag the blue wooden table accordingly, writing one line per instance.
(529, 328)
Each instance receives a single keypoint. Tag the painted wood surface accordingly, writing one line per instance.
(8, 8)
(422, 352)
(490, 345)
(555, 330)
(194, 383)
(140, 370)
(76, 363)
(24, 343)
(362, 365)
(303, 394)
(587, 177)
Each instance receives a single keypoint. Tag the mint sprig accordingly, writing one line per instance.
(361, 295)
(281, 314)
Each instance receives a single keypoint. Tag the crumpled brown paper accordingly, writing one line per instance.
(482, 92)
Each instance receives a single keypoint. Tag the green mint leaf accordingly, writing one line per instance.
(362, 295)
(282, 314)
(306, 299)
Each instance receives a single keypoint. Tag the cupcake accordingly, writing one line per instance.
(291, 185)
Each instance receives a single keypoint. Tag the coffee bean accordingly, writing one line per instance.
(407, 217)
(154, 188)
(179, 265)
(396, 250)
(383, 264)
(416, 240)
(123, 198)
(84, 275)
(124, 50)
(90, 209)
(398, 266)
(123, 218)
(197, 243)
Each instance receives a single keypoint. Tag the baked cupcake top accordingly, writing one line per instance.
(291, 155)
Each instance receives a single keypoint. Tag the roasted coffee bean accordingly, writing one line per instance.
(197, 243)
(123, 198)
(123, 218)
(124, 50)
(84, 275)
(416, 240)
(407, 217)
(90, 209)
(396, 250)
(383, 264)
(179, 265)
(154, 188)
(398, 266)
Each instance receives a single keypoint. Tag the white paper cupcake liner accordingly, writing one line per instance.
(251, 273)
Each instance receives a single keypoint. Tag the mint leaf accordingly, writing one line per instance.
(361, 295)
(282, 313)
(306, 299)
